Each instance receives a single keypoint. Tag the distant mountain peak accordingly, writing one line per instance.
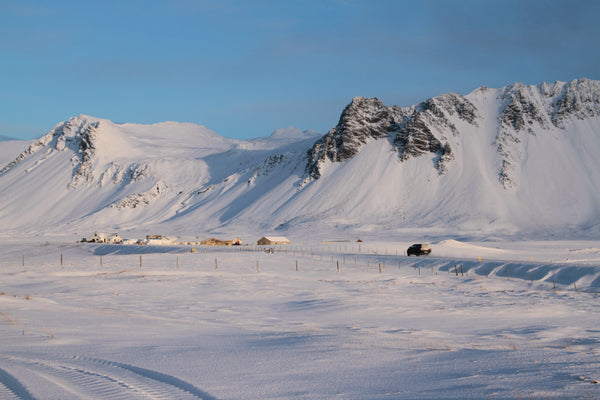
(291, 133)
(4, 138)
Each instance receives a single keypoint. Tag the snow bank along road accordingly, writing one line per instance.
(311, 322)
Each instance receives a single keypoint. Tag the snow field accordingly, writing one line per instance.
(252, 326)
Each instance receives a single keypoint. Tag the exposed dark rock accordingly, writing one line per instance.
(69, 134)
(450, 103)
(410, 130)
(528, 108)
(415, 139)
(521, 108)
(87, 146)
(579, 98)
(361, 120)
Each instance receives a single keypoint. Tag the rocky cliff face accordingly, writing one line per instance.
(579, 98)
(531, 110)
(430, 127)
(76, 134)
(362, 120)
(80, 135)
(414, 131)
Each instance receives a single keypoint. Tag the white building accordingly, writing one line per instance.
(112, 238)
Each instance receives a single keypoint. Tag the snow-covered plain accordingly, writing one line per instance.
(313, 320)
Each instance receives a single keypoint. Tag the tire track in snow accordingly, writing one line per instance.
(102, 379)
(158, 377)
(13, 386)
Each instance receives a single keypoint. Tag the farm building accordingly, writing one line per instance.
(158, 240)
(219, 242)
(272, 240)
(113, 238)
(215, 242)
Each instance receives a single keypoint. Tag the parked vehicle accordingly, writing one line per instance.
(418, 249)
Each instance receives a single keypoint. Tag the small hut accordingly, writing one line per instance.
(272, 240)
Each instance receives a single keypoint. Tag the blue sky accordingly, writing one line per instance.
(246, 68)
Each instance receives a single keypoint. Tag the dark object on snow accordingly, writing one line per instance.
(418, 250)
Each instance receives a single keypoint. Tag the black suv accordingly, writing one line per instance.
(418, 250)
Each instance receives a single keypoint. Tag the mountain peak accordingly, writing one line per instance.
(579, 98)
(412, 130)
(6, 138)
(361, 120)
(291, 133)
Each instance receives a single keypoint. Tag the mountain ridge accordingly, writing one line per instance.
(496, 161)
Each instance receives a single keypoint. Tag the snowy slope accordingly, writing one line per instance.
(515, 160)
(9, 148)
(519, 159)
(88, 173)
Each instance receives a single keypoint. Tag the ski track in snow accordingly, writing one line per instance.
(94, 378)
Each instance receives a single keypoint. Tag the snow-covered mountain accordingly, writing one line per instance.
(519, 159)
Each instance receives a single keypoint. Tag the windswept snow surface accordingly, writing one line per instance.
(314, 321)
